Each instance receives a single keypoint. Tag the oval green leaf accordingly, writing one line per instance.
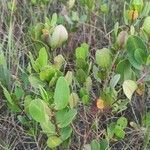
(67, 118)
(61, 94)
(134, 43)
(53, 141)
(129, 88)
(37, 110)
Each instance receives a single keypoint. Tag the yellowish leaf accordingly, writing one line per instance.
(100, 104)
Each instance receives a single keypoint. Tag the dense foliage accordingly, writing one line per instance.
(81, 81)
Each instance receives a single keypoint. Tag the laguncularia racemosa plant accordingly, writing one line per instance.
(47, 101)
(49, 34)
(47, 96)
(52, 108)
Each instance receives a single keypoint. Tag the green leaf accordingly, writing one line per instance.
(119, 133)
(69, 77)
(65, 133)
(81, 76)
(95, 145)
(82, 52)
(146, 9)
(38, 31)
(35, 81)
(60, 114)
(122, 122)
(53, 141)
(134, 43)
(139, 56)
(71, 3)
(44, 94)
(37, 110)
(104, 8)
(27, 102)
(47, 25)
(87, 147)
(110, 130)
(114, 80)
(116, 29)
(67, 118)
(103, 58)
(125, 16)
(47, 73)
(42, 60)
(122, 105)
(75, 16)
(73, 100)
(96, 73)
(23, 120)
(47, 127)
(88, 84)
(85, 99)
(137, 5)
(90, 4)
(124, 69)
(4, 72)
(61, 94)
(54, 20)
(83, 92)
(33, 63)
(82, 64)
(129, 88)
(146, 119)
(19, 92)
(59, 61)
(104, 145)
(148, 61)
(7, 95)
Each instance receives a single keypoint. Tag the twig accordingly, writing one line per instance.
(143, 76)
(76, 130)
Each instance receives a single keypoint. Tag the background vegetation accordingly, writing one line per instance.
(74, 74)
